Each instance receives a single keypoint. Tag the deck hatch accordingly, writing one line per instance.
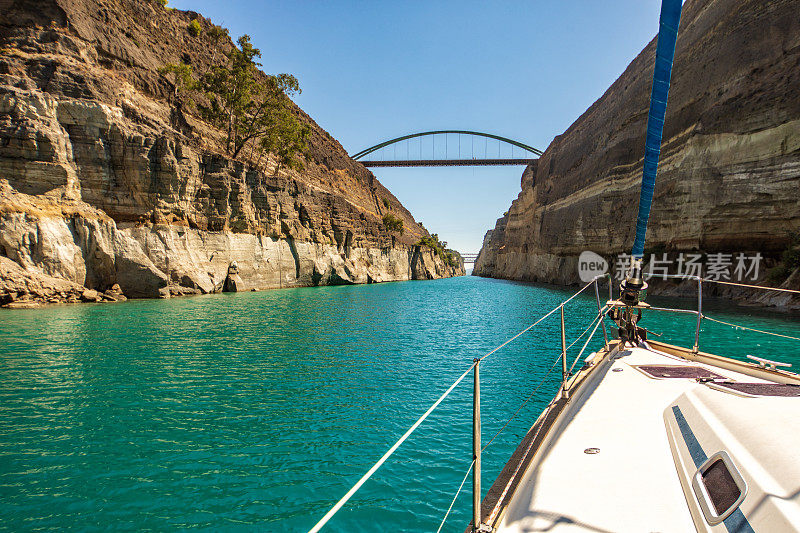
(719, 487)
(678, 371)
(763, 389)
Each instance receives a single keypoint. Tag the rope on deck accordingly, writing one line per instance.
(751, 329)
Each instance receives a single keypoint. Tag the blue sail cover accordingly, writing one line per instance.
(665, 51)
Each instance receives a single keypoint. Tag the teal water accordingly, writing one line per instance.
(259, 410)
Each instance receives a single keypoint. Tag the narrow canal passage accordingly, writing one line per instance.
(258, 410)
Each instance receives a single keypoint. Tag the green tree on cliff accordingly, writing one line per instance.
(285, 138)
(253, 111)
(392, 223)
(439, 248)
(182, 77)
(252, 108)
(194, 28)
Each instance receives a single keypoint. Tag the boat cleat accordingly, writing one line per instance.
(767, 363)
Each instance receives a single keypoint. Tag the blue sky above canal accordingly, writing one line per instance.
(372, 71)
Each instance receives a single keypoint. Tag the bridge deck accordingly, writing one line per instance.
(448, 163)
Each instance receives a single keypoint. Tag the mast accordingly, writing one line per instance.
(632, 289)
(665, 52)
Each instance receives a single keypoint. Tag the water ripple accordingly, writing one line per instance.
(246, 411)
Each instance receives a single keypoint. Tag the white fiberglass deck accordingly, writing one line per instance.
(632, 483)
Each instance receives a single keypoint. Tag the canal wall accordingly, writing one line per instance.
(729, 174)
(107, 182)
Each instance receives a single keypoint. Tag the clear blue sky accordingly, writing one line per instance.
(371, 71)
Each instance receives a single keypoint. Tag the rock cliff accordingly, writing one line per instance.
(730, 159)
(105, 181)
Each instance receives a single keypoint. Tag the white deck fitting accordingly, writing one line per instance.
(760, 434)
(632, 483)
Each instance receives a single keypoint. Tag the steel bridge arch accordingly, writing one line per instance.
(518, 144)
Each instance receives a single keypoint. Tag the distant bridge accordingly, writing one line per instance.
(450, 153)
(469, 257)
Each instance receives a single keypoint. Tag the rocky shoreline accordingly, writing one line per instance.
(109, 189)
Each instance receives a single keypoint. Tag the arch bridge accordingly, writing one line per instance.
(469, 257)
(461, 151)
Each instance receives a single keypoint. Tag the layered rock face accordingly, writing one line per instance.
(730, 159)
(105, 181)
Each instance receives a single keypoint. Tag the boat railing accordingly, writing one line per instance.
(475, 465)
(566, 373)
(702, 316)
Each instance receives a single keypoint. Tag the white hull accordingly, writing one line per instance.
(652, 435)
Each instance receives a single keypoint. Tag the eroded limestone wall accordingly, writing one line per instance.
(106, 180)
(729, 176)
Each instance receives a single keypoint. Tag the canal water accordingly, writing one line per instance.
(259, 410)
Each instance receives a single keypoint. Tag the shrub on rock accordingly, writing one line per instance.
(194, 28)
